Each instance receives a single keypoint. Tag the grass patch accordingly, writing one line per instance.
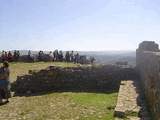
(100, 100)
(103, 104)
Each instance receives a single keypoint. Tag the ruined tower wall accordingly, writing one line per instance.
(148, 65)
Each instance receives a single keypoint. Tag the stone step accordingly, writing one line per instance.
(129, 99)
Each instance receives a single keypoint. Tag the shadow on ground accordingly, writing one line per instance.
(144, 113)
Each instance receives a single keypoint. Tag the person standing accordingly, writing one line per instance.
(3, 56)
(4, 81)
(72, 56)
(10, 56)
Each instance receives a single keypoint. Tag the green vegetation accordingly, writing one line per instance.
(57, 106)
(103, 104)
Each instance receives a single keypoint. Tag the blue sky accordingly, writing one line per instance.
(78, 24)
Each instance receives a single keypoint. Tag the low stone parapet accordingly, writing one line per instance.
(76, 79)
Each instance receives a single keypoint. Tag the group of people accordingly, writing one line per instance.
(67, 56)
(60, 56)
(9, 56)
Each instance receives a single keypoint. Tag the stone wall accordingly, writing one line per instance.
(94, 79)
(148, 65)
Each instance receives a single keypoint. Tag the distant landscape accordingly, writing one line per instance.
(111, 57)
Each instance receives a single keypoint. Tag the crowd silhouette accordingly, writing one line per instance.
(10, 56)
(56, 55)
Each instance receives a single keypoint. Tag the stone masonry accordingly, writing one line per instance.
(148, 65)
(72, 79)
(130, 103)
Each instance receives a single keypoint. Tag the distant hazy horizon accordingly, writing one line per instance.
(81, 25)
(98, 51)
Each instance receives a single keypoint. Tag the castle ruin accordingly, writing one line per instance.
(100, 79)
